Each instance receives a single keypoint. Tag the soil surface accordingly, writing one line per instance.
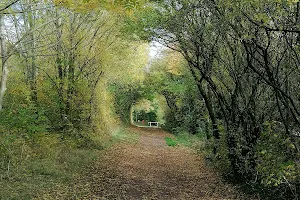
(149, 169)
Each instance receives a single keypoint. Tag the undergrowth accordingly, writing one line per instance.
(170, 142)
(196, 142)
(123, 135)
(45, 163)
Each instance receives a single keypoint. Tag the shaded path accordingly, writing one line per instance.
(149, 169)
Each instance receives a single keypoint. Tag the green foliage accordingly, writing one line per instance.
(170, 78)
(171, 142)
(26, 118)
(232, 50)
(277, 157)
(31, 169)
(235, 77)
(122, 135)
(124, 97)
(142, 18)
(219, 160)
(143, 115)
(196, 142)
(88, 5)
(54, 99)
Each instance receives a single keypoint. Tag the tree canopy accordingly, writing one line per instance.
(229, 73)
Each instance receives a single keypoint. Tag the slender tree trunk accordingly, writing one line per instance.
(60, 71)
(208, 104)
(3, 63)
(32, 65)
(211, 113)
(71, 70)
(93, 87)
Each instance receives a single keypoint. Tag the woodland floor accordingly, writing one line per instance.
(149, 169)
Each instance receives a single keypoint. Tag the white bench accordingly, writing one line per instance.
(156, 124)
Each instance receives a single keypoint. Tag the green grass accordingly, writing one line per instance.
(122, 135)
(41, 166)
(170, 142)
(196, 142)
(47, 166)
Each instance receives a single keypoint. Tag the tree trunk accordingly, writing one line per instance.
(32, 65)
(4, 64)
(208, 105)
(60, 71)
(71, 70)
(211, 113)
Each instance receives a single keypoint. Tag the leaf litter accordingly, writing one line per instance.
(150, 169)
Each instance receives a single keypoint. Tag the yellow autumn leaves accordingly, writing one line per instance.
(114, 5)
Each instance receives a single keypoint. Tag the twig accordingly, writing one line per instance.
(9, 5)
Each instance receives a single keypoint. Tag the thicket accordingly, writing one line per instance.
(125, 97)
(244, 60)
(169, 77)
(240, 82)
(150, 116)
(57, 58)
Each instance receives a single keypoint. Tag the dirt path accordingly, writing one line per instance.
(150, 169)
